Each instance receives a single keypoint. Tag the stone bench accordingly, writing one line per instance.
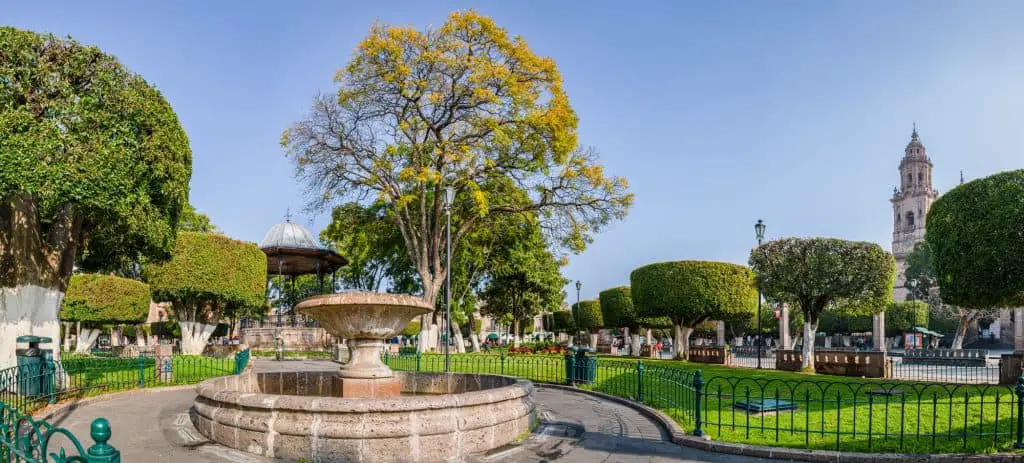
(945, 357)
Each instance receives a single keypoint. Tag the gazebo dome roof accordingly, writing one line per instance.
(290, 235)
(292, 250)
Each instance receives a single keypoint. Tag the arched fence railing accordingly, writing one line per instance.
(27, 388)
(738, 405)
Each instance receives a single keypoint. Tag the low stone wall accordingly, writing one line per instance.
(222, 350)
(293, 415)
(868, 364)
(711, 355)
(295, 338)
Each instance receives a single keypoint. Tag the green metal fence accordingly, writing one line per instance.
(845, 415)
(26, 389)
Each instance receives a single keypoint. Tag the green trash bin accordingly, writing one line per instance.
(579, 368)
(30, 366)
(46, 357)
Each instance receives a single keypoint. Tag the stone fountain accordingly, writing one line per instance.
(364, 411)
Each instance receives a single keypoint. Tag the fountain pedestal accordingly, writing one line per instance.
(366, 320)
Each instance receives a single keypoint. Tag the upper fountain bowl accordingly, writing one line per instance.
(364, 315)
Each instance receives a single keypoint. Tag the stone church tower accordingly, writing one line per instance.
(910, 204)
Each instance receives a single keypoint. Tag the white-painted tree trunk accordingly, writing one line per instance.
(647, 336)
(808, 349)
(140, 336)
(28, 310)
(635, 346)
(460, 344)
(627, 341)
(86, 338)
(593, 341)
(194, 336)
(475, 340)
(682, 343)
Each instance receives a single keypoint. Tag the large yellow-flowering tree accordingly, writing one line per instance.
(464, 106)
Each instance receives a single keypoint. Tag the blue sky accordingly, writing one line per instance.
(718, 113)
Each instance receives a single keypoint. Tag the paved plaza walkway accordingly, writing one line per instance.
(153, 426)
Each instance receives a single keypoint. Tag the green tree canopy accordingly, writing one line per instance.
(617, 308)
(588, 316)
(209, 275)
(974, 231)
(464, 106)
(368, 238)
(195, 221)
(412, 329)
(102, 299)
(691, 292)
(817, 273)
(562, 321)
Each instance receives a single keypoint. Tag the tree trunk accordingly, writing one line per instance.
(474, 337)
(635, 347)
(140, 336)
(460, 345)
(647, 336)
(627, 343)
(194, 336)
(86, 338)
(681, 345)
(808, 350)
(593, 341)
(515, 340)
(28, 310)
(961, 333)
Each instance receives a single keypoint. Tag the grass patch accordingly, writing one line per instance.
(833, 412)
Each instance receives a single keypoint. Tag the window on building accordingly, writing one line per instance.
(910, 219)
(920, 177)
(910, 179)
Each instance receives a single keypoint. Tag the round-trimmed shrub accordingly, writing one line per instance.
(588, 316)
(104, 299)
(210, 268)
(974, 231)
(617, 308)
(562, 321)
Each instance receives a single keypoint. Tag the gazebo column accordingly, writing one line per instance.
(720, 333)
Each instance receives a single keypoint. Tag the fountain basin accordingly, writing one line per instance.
(296, 415)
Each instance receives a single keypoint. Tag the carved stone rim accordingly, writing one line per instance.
(363, 298)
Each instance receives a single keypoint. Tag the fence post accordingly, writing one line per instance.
(698, 390)
(419, 356)
(1020, 410)
(101, 451)
(503, 362)
(51, 372)
(142, 371)
(639, 380)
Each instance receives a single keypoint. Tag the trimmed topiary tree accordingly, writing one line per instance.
(94, 171)
(208, 275)
(96, 300)
(412, 329)
(691, 292)
(618, 312)
(902, 316)
(589, 318)
(813, 274)
(977, 252)
(562, 321)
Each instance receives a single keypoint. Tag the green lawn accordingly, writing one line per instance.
(833, 412)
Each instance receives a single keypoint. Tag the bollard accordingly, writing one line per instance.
(101, 451)
(698, 386)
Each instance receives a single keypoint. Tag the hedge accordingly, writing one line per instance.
(588, 315)
(900, 316)
(105, 299)
(207, 267)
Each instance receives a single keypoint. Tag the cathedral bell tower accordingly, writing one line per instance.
(910, 204)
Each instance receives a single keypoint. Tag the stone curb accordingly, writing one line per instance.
(53, 410)
(678, 436)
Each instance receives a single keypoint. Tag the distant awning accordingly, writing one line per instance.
(492, 336)
(925, 331)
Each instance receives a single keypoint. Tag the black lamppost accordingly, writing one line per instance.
(759, 230)
(576, 311)
(449, 197)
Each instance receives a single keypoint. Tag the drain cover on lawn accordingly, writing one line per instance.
(766, 405)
